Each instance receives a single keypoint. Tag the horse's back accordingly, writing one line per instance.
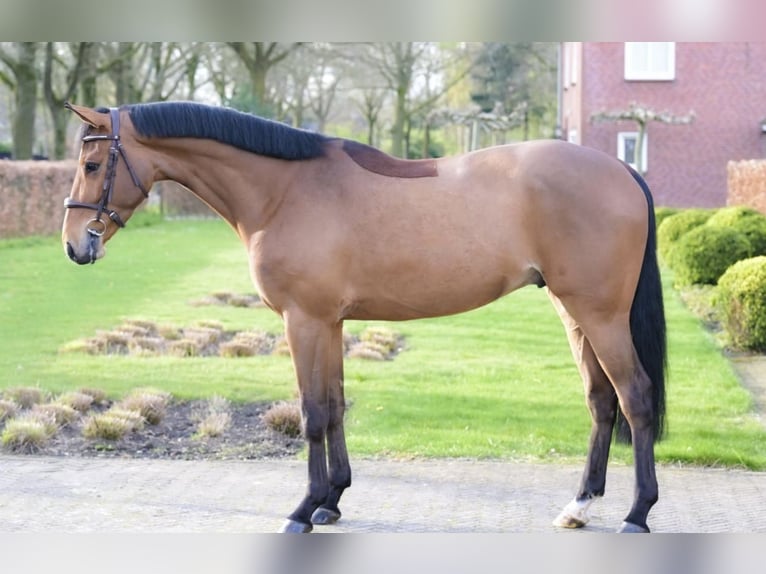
(484, 224)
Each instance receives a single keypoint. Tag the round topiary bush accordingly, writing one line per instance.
(676, 226)
(662, 213)
(741, 300)
(703, 254)
(745, 220)
(730, 215)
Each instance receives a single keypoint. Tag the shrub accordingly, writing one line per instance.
(28, 433)
(728, 216)
(79, 401)
(98, 396)
(61, 414)
(25, 397)
(703, 254)
(112, 424)
(149, 403)
(248, 344)
(284, 418)
(676, 226)
(662, 213)
(8, 409)
(746, 220)
(214, 418)
(741, 299)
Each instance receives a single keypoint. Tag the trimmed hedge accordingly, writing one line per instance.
(741, 299)
(662, 213)
(703, 254)
(676, 226)
(746, 220)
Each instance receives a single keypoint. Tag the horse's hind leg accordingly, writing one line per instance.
(611, 340)
(340, 470)
(602, 403)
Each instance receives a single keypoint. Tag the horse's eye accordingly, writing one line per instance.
(91, 166)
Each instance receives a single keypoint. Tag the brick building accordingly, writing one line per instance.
(724, 84)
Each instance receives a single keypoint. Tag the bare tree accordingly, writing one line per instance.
(323, 84)
(20, 58)
(642, 115)
(259, 58)
(63, 63)
(399, 63)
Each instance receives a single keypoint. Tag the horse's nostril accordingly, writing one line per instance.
(70, 251)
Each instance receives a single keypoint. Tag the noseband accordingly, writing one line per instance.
(115, 151)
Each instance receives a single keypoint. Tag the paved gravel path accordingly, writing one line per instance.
(39, 494)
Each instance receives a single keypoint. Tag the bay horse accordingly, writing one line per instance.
(338, 230)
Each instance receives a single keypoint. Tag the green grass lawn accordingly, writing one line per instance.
(495, 382)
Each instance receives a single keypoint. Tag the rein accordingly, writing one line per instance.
(115, 151)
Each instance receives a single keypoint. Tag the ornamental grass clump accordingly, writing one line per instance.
(62, 415)
(8, 409)
(151, 404)
(98, 396)
(248, 344)
(214, 418)
(741, 300)
(28, 432)
(113, 424)
(25, 397)
(285, 418)
(79, 401)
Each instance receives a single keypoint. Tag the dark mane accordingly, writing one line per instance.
(228, 126)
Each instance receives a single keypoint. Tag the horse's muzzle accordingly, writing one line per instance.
(88, 256)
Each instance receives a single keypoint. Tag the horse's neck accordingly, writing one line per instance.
(241, 187)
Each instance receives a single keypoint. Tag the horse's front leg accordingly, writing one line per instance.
(310, 342)
(340, 470)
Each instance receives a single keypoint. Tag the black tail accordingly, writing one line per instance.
(647, 325)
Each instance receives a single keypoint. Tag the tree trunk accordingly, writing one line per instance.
(88, 89)
(23, 126)
(124, 79)
(55, 101)
(640, 142)
(60, 122)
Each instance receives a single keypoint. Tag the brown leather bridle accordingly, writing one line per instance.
(115, 151)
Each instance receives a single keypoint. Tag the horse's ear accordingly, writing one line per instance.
(90, 116)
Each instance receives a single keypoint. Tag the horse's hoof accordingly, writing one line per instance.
(325, 516)
(295, 527)
(574, 515)
(630, 528)
(565, 520)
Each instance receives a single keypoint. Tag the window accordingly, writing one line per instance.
(627, 147)
(650, 60)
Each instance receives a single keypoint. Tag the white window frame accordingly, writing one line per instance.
(622, 138)
(571, 63)
(654, 68)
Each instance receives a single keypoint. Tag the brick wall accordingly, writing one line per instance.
(723, 83)
(747, 184)
(32, 196)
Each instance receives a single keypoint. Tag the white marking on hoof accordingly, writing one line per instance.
(574, 515)
(630, 528)
(295, 527)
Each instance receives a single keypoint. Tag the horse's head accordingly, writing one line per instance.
(106, 190)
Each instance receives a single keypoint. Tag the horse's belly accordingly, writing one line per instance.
(433, 295)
